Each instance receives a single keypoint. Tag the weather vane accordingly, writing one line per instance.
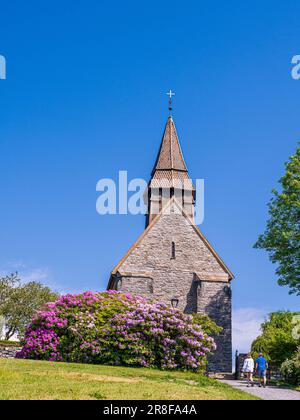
(170, 94)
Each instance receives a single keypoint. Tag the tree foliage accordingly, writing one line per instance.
(277, 341)
(281, 238)
(19, 302)
(290, 369)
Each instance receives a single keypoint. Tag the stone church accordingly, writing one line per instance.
(172, 261)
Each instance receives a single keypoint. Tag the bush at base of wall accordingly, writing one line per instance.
(117, 329)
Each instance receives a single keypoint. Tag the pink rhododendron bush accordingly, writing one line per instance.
(116, 329)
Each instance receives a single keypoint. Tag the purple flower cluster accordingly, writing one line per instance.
(40, 344)
(118, 329)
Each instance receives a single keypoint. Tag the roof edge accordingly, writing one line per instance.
(195, 227)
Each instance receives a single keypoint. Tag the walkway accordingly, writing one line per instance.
(270, 393)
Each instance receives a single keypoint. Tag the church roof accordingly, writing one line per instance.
(170, 154)
(170, 167)
(195, 227)
(171, 178)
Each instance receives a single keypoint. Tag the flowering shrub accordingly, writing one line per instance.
(117, 329)
(290, 369)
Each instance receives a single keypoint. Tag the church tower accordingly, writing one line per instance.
(172, 261)
(170, 177)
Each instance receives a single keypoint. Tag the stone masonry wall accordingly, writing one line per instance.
(214, 299)
(8, 352)
(136, 285)
(185, 277)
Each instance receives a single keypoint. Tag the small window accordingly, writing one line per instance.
(160, 199)
(173, 250)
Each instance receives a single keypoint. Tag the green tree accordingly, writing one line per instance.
(19, 302)
(281, 238)
(277, 341)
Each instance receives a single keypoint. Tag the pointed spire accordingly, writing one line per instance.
(170, 155)
(170, 174)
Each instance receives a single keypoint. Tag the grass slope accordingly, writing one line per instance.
(9, 343)
(28, 379)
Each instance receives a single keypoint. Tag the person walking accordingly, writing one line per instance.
(248, 368)
(261, 366)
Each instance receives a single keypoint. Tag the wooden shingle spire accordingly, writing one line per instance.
(170, 165)
(170, 155)
(170, 173)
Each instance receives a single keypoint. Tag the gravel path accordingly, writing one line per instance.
(270, 393)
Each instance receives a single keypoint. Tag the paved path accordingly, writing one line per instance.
(270, 393)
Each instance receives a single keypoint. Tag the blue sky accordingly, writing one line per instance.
(85, 97)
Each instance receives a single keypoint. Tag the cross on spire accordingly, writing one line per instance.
(170, 94)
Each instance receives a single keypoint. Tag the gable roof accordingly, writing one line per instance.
(195, 227)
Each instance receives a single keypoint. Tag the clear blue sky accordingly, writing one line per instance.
(85, 98)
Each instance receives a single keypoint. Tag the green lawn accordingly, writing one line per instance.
(9, 343)
(28, 379)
